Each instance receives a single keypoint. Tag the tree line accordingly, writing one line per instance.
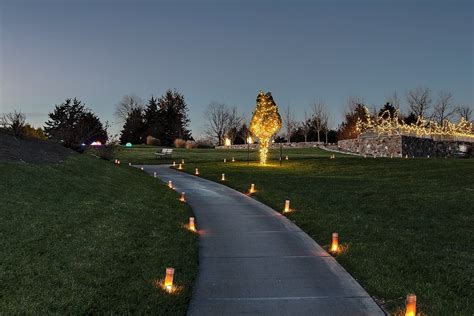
(162, 120)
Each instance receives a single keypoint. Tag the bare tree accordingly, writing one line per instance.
(464, 112)
(217, 116)
(127, 105)
(318, 109)
(393, 100)
(419, 101)
(289, 122)
(306, 126)
(14, 122)
(443, 108)
(234, 122)
(325, 123)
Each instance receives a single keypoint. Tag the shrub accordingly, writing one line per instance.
(204, 144)
(190, 144)
(179, 143)
(150, 140)
(106, 152)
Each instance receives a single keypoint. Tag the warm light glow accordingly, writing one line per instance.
(266, 121)
(169, 279)
(233, 160)
(180, 167)
(227, 142)
(286, 158)
(129, 163)
(287, 206)
(96, 143)
(183, 197)
(223, 177)
(410, 305)
(252, 188)
(174, 163)
(225, 160)
(335, 243)
(196, 172)
(141, 168)
(115, 161)
(191, 225)
(249, 140)
(387, 124)
(182, 161)
(170, 184)
(154, 174)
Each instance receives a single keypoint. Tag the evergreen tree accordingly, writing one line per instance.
(266, 121)
(388, 108)
(173, 112)
(134, 129)
(153, 119)
(72, 124)
(347, 129)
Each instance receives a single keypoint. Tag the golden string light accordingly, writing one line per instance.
(387, 124)
(266, 121)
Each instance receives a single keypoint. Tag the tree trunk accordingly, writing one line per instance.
(318, 136)
(326, 137)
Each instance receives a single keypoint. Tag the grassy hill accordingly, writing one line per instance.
(86, 236)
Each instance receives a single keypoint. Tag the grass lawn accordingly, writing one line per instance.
(145, 154)
(407, 224)
(87, 236)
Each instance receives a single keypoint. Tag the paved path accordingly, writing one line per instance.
(252, 260)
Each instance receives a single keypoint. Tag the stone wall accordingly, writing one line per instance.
(423, 147)
(373, 146)
(401, 146)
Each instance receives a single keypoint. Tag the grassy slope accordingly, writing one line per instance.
(87, 236)
(407, 223)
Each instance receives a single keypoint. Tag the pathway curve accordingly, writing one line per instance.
(253, 260)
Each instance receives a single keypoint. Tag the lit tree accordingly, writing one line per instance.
(266, 121)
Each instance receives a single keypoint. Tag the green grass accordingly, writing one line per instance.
(87, 237)
(145, 154)
(407, 224)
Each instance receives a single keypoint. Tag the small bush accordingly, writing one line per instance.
(150, 140)
(179, 143)
(106, 152)
(204, 144)
(190, 144)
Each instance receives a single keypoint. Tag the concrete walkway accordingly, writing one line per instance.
(252, 260)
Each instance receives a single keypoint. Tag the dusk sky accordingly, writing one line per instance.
(226, 51)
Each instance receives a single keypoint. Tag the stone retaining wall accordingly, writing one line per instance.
(401, 146)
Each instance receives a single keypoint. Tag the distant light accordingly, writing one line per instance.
(183, 197)
(225, 160)
(196, 172)
(174, 163)
(180, 167)
(96, 143)
(154, 174)
(227, 142)
(128, 145)
(170, 184)
(287, 207)
(233, 160)
(223, 177)
(249, 140)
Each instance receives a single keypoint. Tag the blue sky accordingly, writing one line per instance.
(228, 50)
